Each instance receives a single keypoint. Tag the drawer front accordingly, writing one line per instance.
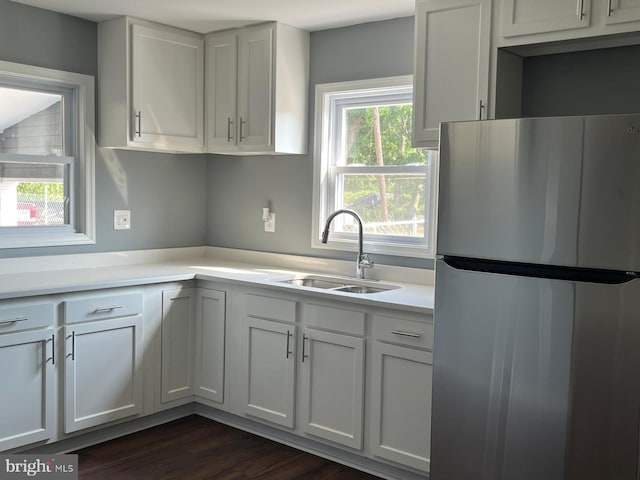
(270, 308)
(403, 331)
(100, 306)
(337, 319)
(25, 315)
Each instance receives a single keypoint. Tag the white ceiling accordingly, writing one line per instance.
(208, 15)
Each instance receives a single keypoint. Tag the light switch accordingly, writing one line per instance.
(121, 219)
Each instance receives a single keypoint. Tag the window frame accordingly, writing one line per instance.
(328, 98)
(79, 113)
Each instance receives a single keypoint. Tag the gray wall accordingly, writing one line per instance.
(187, 200)
(239, 187)
(582, 83)
(165, 193)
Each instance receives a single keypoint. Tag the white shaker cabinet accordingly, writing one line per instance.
(620, 11)
(269, 359)
(402, 369)
(523, 17)
(178, 340)
(210, 344)
(451, 77)
(103, 378)
(332, 374)
(257, 89)
(27, 373)
(151, 87)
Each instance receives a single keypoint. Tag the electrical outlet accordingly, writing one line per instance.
(270, 225)
(121, 219)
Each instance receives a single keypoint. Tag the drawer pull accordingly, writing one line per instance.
(13, 321)
(406, 334)
(108, 309)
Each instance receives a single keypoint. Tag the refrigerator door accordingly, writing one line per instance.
(556, 191)
(534, 378)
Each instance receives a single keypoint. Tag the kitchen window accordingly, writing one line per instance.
(47, 149)
(364, 162)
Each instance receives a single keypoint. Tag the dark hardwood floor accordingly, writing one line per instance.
(195, 448)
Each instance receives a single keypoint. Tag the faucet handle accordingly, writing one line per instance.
(365, 262)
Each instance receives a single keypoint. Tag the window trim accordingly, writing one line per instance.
(323, 143)
(82, 137)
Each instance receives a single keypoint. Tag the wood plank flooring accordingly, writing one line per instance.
(195, 448)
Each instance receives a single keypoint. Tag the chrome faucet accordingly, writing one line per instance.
(363, 261)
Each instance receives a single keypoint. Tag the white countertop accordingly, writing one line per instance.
(32, 276)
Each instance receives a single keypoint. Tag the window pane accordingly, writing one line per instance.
(31, 122)
(389, 126)
(33, 194)
(391, 205)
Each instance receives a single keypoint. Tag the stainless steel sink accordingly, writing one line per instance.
(339, 284)
(361, 289)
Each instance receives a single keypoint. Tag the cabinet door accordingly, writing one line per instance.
(621, 11)
(221, 78)
(401, 404)
(167, 71)
(103, 371)
(255, 86)
(178, 336)
(269, 370)
(332, 386)
(524, 17)
(210, 345)
(451, 80)
(27, 394)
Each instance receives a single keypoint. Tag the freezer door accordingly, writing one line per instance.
(534, 378)
(557, 191)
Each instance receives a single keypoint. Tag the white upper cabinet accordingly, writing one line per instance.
(151, 87)
(540, 21)
(257, 80)
(451, 78)
(620, 11)
(522, 17)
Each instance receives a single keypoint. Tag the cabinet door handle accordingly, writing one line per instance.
(289, 352)
(138, 132)
(580, 9)
(609, 8)
(406, 334)
(481, 107)
(13, 321)
(229, 123)
(304, 339)
(242, 123)
(107, 309)
(53, 349)
(73, 345)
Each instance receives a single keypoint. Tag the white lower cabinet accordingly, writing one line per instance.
(401, 413)
(27, 373)
(103, 372)
(332, 386)
(103, 379)
(178, 339)
(402, 369)
(269, 361)
(210, 344)
(332, 373)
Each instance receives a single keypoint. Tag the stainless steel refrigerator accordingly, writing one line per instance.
(537, 309)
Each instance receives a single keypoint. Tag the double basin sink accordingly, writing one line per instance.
(339, 284)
